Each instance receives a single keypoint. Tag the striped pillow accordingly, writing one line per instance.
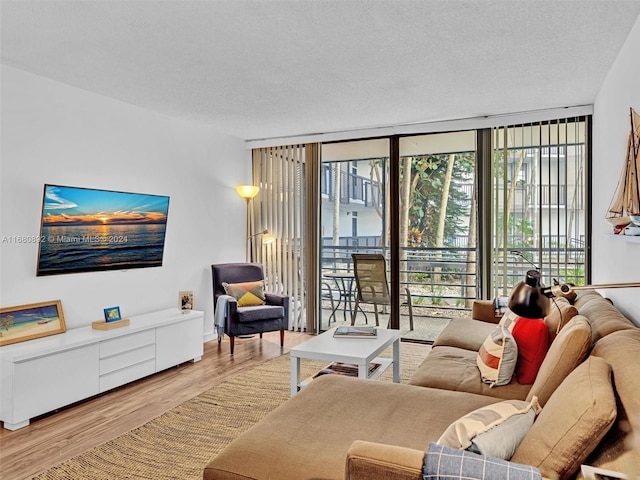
(497, 357)
(248, 294)
(495, 430)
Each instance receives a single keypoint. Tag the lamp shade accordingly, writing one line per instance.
(266, 236)
(527, 298)
(247, 191)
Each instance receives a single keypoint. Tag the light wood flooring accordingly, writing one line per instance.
(56, 437)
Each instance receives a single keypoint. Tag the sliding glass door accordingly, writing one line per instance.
(436, 234)
(457, 216)
(437, 229)
(353, 220)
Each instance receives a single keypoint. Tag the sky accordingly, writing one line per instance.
(84, 206)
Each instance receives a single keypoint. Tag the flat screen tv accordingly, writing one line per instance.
(86, 230)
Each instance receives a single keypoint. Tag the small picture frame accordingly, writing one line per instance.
(185, 300)
(112, 314)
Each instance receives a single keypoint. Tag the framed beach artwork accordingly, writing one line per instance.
(26, 322)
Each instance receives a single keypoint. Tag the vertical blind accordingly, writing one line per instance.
(280, 206)
(538, 184)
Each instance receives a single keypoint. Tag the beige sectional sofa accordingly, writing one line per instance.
(344, 428)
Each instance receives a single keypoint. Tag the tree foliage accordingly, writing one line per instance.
(429, 173)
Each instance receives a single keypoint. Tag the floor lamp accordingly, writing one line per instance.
(248, 192)
(267, 238)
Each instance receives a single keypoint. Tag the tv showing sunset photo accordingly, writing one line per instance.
(84, 230)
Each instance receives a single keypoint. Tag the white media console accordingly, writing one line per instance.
(44, 374)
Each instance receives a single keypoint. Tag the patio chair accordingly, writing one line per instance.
(262, 311)
(370, 272)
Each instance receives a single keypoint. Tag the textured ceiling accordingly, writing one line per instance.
(259, 69)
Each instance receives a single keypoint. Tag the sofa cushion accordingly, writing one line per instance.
(314, 445)
(567, 351)
(452, 368)
(620, 448)
(259, 313)
(442, 462)
(572, 423)
(497, 357)
(603, 316)
(494, 430)
(246, 293)
(585, 296)
(561, 312)
(532, 338)
(464, 333)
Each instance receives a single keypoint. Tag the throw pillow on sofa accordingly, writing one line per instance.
(248, 294)
(566, 352)
(532, 338)
(508, 320)
(497, 357)
(572, 423)
(561, 312)
(442, 462)
(494, 430)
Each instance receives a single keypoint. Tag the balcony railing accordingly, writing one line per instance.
(353, 188)
(446, 277)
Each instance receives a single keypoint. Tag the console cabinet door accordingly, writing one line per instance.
(52, 381)
(179, 343)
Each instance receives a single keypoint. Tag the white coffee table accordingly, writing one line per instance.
(356, 351)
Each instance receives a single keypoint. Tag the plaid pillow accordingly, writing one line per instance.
(248, 294)
(444, 463)
(508, 320)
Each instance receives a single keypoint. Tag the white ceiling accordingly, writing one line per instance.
(260, 69)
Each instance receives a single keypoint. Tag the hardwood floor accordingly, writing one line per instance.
(56, 437)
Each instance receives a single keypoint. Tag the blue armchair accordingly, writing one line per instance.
(273, 315)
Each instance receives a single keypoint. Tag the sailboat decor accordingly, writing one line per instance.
(624, 211)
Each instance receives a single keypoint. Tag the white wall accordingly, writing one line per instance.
(54, 133)
(613, 259)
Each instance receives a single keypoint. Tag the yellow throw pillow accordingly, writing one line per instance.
(248, 294)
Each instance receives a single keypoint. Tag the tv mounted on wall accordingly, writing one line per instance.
(86, 230)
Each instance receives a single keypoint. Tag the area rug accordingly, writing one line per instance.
(179, 443)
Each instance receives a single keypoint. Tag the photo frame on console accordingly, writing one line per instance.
(112, 314)
(34, 320)
(186, 301)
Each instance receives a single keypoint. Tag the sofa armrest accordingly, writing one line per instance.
(370, 461)
(232, 308)
(483, 310)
